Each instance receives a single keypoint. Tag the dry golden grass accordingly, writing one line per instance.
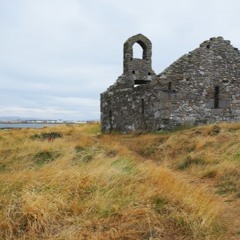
(84, 185)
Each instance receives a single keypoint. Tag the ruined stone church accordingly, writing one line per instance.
(201, 87)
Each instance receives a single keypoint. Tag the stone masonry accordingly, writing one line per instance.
(201, 87)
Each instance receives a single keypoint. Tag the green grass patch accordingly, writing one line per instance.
(46, 136)
(84, 155)
(159, 203)
(229, 184)
(79, 149)
(189, 162)
(3, 167)
(126, 165)
(44, 157)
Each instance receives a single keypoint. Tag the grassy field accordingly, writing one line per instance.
(71, 182)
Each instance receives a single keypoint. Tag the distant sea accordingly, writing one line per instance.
(24, 125)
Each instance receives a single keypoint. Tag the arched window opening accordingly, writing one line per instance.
(216, 97)
(137, 51)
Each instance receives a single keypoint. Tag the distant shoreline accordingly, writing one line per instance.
(19, 125)
(29, 123)
(6, 126)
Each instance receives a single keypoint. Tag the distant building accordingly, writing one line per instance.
(201, 87)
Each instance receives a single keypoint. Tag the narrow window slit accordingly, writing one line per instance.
(169, 86)
(216, 97)
(110, 120)
(142, 106)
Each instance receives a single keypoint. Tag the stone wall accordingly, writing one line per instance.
(201, 87)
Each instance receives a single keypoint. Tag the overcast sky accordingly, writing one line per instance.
(57, 56)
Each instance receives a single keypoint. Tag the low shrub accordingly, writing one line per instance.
(48, 136)
(44, 157)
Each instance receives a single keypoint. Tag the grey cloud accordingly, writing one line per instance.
(57, 56)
